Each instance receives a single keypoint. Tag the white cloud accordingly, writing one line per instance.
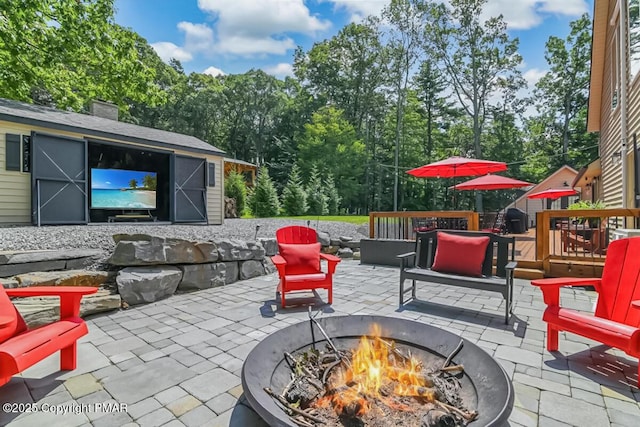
(360, 9)
(533, 76)
(197, 37)
(526, 14)
(213, 71)
(248, 27)
(282, 69)
(168, 50)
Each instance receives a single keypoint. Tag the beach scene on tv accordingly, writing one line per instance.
(123, 189)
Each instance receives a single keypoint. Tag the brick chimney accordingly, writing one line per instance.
(106, 110)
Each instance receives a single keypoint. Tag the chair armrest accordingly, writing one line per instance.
(5, 320)
(56, 291)
(567, 281)
(280, 264)
(405, 259)
(330, 257)
(551, 287)
(70, 296)
(511, 265)
(635, 304)
(332, 262)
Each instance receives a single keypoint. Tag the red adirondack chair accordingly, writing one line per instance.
(298, 262)
(616, 322)
(21, 347)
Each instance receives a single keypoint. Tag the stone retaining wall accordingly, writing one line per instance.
(145, 268)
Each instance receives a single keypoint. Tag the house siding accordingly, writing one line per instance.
(610, 130)
(15, 187)
(533, 206)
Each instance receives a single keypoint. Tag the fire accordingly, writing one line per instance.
(377, 371)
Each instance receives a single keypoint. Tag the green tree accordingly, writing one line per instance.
(133, 184)
(316, 198)
(332, 196)
(476, 54)
(294, 198)
(235, 188)
(150, 182)
(264, 197)
(562, 97)
(405, 37)
(329, 143)
(65, 53)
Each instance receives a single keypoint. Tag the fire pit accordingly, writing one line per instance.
(485, 387)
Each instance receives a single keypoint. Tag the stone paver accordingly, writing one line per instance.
(177, 362)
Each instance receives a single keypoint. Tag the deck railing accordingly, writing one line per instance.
(403, 225)
(580, 235)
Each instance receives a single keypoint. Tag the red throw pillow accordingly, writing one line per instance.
(460, 254)
(301, 258)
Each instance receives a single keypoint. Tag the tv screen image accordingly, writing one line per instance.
(123, 189)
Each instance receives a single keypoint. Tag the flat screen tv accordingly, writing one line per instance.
(123, 189)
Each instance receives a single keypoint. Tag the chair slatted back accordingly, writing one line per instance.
(296, 234)
(621, 282)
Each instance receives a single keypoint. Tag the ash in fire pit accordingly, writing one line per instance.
(374, 371)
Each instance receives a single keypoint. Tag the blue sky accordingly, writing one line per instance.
(233, 36)
(106, 179)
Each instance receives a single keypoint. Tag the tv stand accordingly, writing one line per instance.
(132, 217)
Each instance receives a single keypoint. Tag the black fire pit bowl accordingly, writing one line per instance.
(486, 387)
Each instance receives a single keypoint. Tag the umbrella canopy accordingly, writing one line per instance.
(458, 166)
(492, 182)
(553, 193)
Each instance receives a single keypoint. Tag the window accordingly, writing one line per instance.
(212, 174)
(26, 153)
(12, 152)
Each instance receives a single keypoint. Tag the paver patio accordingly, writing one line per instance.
(178, 361)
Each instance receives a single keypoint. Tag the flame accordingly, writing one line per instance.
(376, 372)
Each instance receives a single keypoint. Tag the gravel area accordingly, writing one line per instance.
(100, 236)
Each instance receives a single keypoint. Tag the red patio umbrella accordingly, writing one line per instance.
(553, 193)
(492, 182)
(455, 166)
(458, 166)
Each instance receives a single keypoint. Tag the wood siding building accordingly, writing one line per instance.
(48, 159)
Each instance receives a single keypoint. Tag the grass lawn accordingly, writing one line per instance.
(352, 219)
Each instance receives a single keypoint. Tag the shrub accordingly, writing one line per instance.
(235, 188)
(333, 198)
(316, 199)
(294, 198)
(264, 197)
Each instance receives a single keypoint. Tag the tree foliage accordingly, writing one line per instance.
(235, 188)
(421, 82)
(263, 201)
(294, 197)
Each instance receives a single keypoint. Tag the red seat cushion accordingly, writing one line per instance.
(461, 255)
(301, 258)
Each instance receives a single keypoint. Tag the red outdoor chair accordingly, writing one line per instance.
(616, 322)
(21, 347)
(298, 262)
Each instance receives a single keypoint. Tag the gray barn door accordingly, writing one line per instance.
(190, 189)
(59, 180)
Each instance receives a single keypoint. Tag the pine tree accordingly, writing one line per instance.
(264, 197)
(235, 188)
(331, 193)
(294, 198)
(316, 198)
